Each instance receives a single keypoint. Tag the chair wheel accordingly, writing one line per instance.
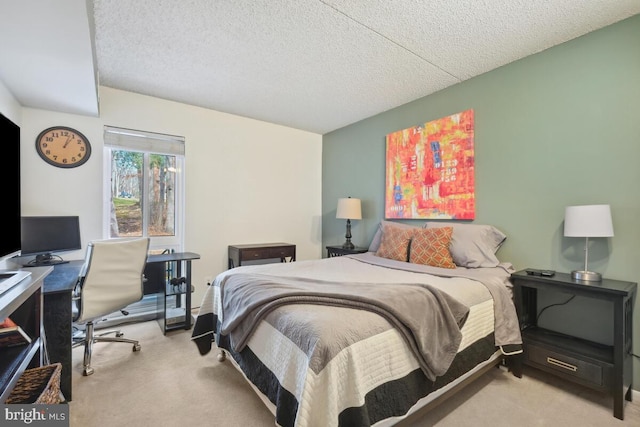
(119, 334)
(87, 371)
(136, 347)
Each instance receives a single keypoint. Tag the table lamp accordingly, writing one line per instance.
(349, 209)
(587, 221)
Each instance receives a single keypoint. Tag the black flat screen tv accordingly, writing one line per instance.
(43, 236)
(10, 230)
(10, 240)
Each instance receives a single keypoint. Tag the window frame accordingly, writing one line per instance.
(157, 243)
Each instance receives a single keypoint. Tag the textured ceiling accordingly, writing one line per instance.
(320, 65)
(316, 65)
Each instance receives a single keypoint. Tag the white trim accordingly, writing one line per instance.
(147, 142)
(137, 140)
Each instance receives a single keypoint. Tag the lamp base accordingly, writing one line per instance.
(589, 276)
(348, 245)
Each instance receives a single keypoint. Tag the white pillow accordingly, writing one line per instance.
(473, 245)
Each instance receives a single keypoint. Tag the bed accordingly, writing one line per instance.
(360, 339)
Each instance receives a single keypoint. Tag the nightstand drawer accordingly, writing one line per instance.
(283, 252)
(558, 362)
(249, 254)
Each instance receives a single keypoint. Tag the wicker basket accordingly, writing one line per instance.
(38, 385)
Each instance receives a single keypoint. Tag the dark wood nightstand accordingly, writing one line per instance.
(338, 250)
(601, 367)
(251, 252)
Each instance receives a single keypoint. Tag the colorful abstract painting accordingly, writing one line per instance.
(430, 170)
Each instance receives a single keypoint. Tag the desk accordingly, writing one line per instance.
(57, 318)
(261, 251)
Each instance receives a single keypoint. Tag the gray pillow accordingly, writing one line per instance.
(473, 245)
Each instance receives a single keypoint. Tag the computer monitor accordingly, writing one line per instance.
(43, 236)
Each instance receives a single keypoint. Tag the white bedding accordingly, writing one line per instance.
(361, 371)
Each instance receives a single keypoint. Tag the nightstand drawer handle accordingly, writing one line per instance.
(561, 364)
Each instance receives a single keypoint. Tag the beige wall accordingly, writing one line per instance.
(247, 181)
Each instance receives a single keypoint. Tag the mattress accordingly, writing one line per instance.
(320, 365)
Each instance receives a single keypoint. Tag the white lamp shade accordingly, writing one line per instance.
(349, 208)
(588, 221)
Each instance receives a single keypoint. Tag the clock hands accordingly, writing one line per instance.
(67, 142)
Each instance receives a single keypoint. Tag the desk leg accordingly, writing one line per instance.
(186, 264)
(58, 329)
(177, 270)
(187, 298)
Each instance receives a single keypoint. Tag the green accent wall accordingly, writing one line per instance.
(558, 128)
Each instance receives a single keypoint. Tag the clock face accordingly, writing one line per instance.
(63, 147)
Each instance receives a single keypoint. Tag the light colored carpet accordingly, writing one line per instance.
(169, 384)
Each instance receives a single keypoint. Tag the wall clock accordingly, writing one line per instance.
(63, 147)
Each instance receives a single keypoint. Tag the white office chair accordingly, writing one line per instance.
(111, 279)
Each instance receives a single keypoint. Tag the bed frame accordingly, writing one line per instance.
(511, 362)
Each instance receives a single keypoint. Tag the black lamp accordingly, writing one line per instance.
(349, 209)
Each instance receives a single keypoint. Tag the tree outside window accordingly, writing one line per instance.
(130, 185)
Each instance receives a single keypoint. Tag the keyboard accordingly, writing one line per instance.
(51, 262)
(45, 263)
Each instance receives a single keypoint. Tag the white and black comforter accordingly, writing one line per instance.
(329, 365)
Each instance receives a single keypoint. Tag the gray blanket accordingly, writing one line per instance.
(428, 319)
(507, 328)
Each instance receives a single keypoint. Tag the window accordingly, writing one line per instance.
(144, 196)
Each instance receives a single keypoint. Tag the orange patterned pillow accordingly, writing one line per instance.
(432, 248)
(395, 242)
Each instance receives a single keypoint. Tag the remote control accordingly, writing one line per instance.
(536, 272)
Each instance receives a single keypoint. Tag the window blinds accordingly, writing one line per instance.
(129, 139)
